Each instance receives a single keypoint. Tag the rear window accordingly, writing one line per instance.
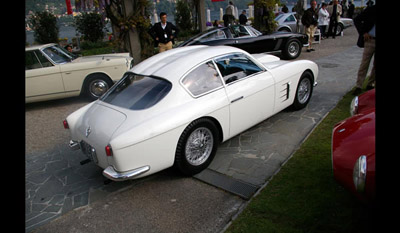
(137, 92)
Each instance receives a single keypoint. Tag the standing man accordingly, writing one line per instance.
(228, 17)
(365, 24)
(335, 11)
(310, 22)
(243, 18)
(162, 33)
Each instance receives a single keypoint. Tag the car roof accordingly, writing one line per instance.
(34, 47)
(174, 63)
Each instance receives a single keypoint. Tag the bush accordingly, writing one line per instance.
(45, 27)
(91, 26)
(183, 18)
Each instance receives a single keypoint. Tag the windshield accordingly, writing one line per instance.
(137, 92)
(58, 55)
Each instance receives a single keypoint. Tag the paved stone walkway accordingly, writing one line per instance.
(56, 183)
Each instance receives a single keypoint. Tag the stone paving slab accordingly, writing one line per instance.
(56, 183)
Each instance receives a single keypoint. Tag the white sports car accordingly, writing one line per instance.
(51, 72)
(174, 108)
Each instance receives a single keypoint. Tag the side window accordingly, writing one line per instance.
(236, 66)
(43, 60)
(203, 79)
(31, 61)
(219, 34)
(290, 19)
(239, 31)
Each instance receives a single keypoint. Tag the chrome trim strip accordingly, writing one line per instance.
(111, 174)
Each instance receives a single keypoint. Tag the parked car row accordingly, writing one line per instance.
(190, 99)
(288, 23)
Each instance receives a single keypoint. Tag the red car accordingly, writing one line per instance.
(353, 148)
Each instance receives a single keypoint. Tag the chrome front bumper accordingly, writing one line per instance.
(111, 174)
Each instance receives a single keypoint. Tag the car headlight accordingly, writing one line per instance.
(360, 173)
(354, 106)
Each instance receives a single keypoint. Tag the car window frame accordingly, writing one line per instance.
(237, 36)
(201, 39)
(258, 64)
(37, 59)
(60, 49)
(292, 17)
(111, 89)
(195, 67)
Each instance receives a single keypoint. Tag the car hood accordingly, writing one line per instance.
(102, 57)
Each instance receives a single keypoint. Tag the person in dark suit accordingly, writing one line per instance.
(163, 34)
(365, 24)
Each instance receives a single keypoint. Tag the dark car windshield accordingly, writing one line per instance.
(137, 92)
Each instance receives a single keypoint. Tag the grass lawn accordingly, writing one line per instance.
(304, 196)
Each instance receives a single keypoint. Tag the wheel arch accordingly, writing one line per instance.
(216, 123)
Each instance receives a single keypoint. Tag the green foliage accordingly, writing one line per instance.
(183, 18)
(45, 27)
(90, 25)
(266, 22)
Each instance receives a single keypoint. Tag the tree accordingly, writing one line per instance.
(91, 26)
(264, 18)
(45, 27)
(183, 17)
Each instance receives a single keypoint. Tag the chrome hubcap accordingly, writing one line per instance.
(293, 48)
(304, 90)
(199, 146)
(98, 87)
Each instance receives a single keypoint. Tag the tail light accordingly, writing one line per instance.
(65, 123)
(108, 150)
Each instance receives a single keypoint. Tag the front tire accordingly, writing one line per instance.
(196, 147)
(304, 91)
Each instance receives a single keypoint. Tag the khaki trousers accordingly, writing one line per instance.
(369, 51)
(310, 33)
(164, 47)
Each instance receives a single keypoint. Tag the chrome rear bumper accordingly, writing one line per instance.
(111, 174)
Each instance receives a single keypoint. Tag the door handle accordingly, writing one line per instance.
(237, 99)
(68, 72)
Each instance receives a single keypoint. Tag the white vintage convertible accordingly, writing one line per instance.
(174, 108)
(51, 72)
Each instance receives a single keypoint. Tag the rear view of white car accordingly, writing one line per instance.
(51, 72)
(176, 107)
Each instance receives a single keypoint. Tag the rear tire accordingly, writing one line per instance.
(196, 147)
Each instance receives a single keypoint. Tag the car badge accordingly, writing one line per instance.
(88, 131)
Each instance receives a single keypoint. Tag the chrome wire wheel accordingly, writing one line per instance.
(199, 146)
(293, 48)
(304, 90)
